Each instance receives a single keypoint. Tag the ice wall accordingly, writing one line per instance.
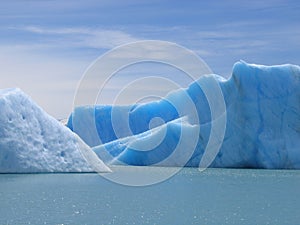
(262, 126)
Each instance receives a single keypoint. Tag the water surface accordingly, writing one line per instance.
(215, 196)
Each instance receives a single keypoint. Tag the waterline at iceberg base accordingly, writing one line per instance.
(262, 123)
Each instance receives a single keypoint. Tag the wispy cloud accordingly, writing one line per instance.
(80, 37)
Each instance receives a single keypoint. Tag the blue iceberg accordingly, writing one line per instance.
(258, 127)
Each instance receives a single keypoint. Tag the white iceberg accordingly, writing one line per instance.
(31, 141)
(262, 123)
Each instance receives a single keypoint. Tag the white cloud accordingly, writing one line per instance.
(81, 36)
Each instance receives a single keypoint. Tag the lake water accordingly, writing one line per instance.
(215, 196)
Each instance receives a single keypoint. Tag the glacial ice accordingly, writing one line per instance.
(31, 141)
(262, 123)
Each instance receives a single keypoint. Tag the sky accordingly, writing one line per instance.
(46, 46)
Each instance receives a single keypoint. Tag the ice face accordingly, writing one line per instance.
(32, 141)
(262, 123)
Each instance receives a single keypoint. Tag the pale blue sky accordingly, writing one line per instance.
(45, 46)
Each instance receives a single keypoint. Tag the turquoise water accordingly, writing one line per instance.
(215, 196)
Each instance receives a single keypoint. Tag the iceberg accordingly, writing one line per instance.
(31, 141)
(262, 126)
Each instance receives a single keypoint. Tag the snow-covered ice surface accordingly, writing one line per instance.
(31, 141)
(262, 126)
